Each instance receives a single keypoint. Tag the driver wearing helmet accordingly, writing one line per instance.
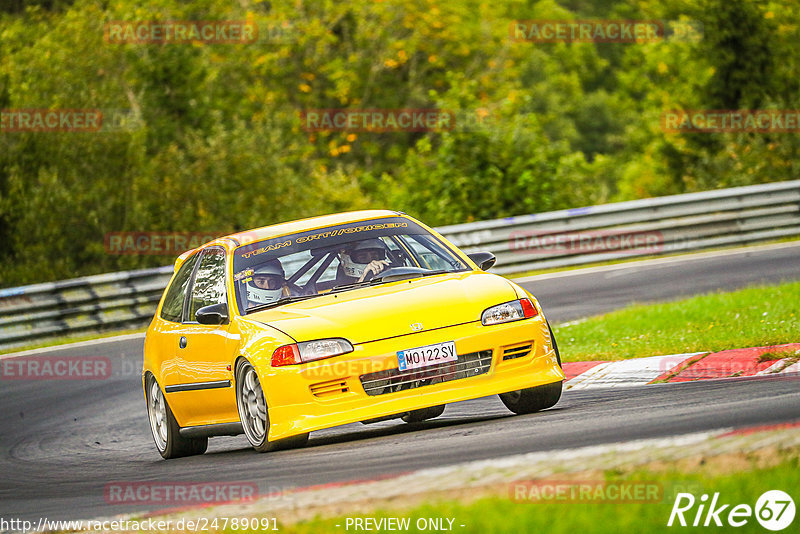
(268, 284)
(363, 260)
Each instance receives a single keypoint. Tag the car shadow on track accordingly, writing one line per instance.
(356, 432)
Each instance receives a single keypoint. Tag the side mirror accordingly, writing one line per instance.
(214, 314)
(484, 260)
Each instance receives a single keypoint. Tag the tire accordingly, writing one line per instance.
(531, 400)
(253, 412)
(555, 345)
(165, 429)
(417, 416)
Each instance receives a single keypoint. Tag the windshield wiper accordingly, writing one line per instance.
(345, 287)
(281, 301)
(386, 279)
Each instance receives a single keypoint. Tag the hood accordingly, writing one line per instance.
(388, 310)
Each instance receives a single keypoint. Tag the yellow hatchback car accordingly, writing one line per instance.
(362, 316)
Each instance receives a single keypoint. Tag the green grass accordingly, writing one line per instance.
(755, 316)
(502, 514)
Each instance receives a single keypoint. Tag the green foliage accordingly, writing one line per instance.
(216, 143)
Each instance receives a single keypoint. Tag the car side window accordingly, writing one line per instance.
(209, 282)
(172, 310)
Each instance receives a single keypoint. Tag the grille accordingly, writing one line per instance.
(516, 352)
(394, 380)
(328, 389)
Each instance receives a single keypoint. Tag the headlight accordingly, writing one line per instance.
(308, 351)
(509, 311)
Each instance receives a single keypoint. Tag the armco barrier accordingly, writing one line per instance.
(687, 222)
(676, 223)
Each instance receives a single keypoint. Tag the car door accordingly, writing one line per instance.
(161, 345)
(202, 386)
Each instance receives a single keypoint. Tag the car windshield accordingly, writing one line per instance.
(307, 264)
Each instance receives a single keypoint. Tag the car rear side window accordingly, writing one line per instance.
(209, 282)
(172, 310)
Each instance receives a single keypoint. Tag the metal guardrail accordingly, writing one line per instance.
(677, 223)
(671, 224)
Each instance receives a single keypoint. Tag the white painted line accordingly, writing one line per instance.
(76, 345)
(794, 368)
(627, 373)
(772, 369)
(582, 380)
(657, 261)
(780, 367)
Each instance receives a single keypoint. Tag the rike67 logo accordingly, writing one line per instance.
(774, 510)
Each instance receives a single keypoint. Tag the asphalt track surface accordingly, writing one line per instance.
(62, 442)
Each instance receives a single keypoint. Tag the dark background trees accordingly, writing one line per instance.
(215, 142)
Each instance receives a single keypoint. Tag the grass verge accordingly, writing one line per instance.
(755, 316)
(602, 512)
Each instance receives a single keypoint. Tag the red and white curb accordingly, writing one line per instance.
(682, 367)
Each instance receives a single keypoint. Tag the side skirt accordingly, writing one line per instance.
(204, 431)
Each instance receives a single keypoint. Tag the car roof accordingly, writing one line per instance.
(290, 227)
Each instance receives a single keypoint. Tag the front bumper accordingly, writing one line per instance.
(328, 393)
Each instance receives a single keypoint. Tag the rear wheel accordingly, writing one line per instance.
(417, 416)
(166, 432)
(253, 412)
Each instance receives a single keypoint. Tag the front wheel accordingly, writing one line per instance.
(532, 400)
(417, 416)
(555, 345)
(253, 412)
(166, 432)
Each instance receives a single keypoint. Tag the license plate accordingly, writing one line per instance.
(427, 355)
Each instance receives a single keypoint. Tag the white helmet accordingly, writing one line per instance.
(356, 257)
(270, 279)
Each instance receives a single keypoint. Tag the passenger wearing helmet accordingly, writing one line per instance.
(268, 284)
(362, 261)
